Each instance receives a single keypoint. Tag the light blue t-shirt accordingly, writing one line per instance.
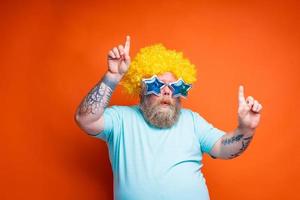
(150, 163)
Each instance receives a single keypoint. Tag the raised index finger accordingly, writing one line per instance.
(127, 44)
(241, 95)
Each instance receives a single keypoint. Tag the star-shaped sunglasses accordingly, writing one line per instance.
(154, 86)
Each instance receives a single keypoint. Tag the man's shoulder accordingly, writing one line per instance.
(187, 111)
(124, 109)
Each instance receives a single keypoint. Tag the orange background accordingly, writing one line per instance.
(53, 52)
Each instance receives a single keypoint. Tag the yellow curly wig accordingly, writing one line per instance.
(156, 59)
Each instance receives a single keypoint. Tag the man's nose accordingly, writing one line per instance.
(166, 91)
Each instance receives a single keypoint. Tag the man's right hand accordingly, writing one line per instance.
(118, 59)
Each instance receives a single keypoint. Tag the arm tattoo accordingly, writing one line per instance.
(237, 139)
(245, 143)
(98, 97)
(232, 139)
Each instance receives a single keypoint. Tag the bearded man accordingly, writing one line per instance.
(156, 147)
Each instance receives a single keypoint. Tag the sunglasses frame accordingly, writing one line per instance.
(155, 83)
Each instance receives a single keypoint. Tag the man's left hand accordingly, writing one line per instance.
(248, 111)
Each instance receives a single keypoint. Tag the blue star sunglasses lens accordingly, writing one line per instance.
(154, 85)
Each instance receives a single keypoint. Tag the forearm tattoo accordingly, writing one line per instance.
(232, 139)
(245, 144)
(98, 98)
(239, 138)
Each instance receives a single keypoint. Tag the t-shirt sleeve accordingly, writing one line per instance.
(112, 123)
(207, 133)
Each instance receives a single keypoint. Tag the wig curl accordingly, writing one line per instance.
(156, 59)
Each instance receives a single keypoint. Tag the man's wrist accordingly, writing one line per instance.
(111, 79)
(245, 130)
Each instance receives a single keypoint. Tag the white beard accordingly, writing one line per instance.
(160, 115)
